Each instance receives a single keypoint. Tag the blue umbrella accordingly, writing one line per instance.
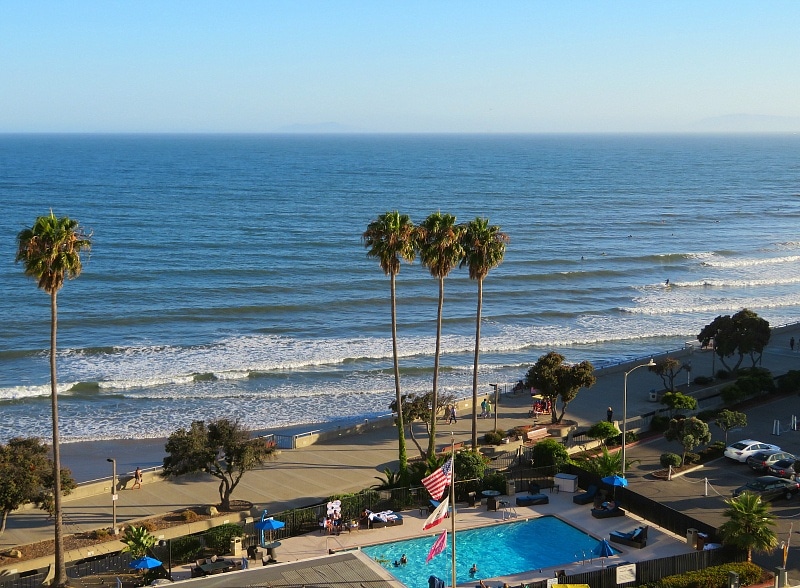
(615, 481)
(268, 524)
(144, 563)
(603, 549)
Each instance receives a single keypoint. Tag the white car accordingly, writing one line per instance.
(741, 450)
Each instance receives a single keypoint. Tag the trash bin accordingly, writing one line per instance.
(510, 488)
(691, 538)
(653, 395)
(236, 546)
(491, 503)
(701, 541)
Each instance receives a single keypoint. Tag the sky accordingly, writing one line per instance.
(380, 66)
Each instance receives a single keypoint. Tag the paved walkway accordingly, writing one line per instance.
(307, 476)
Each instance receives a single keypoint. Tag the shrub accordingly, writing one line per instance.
(723, 374)
(670, 459)
(494, 437)
(631, 436)
(703, 380)
(101, 534)
(691, 458)
(219, 538)
(713, 451)
(659, 424)
(755, 381)
(713, 577)
(189, 516)
(789, 383)
(731, 394)
(495, 481)
(549, 452)
(148, 526)
(186, 549)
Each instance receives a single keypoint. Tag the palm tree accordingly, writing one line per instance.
(138, 541)
(440, 250)
(50, 252)
(749, 524)
(389, 238)
(484, 249)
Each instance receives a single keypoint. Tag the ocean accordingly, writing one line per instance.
(228, 278)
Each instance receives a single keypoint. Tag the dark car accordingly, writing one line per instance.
(761, 460)
(785, 468)
(770, 488)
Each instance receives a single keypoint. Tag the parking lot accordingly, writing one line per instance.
(701, 493)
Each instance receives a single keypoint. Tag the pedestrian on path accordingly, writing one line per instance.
(610, 415)
(452, 418)
(137, 479)
(791, 343)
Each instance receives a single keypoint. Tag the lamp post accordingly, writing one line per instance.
(496, 399)
(167, 543)
(113, 494)
(625, 409)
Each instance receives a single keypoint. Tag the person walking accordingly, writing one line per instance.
(137, 479)
(452, 418)
(791, 343)
(610, 415)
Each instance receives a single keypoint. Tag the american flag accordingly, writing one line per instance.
(438, 546)
(439, 480)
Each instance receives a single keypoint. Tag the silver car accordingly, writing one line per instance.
(741, 450)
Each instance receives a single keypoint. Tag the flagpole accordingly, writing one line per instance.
(453, 503)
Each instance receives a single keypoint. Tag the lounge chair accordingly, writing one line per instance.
(605, 513)
(586, 497)
(532, 499)
(378, 520)
(636, 538)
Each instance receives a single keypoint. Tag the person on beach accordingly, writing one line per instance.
(791, 343)
(483, 409)
(452, 418)
(137, 478)
(610, 415)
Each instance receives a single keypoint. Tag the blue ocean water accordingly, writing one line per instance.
(228, 277)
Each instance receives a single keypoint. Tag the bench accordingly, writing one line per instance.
(457, 446)
(534, 435)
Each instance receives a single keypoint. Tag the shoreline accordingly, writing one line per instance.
(83, 457)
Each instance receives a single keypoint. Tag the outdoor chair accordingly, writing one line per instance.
(636, 538)
(585, 497)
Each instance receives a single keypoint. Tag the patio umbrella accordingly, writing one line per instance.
(270, 525)
(603, 549)
(144, 563)
(615, 481)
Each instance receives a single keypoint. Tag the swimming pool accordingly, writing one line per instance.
(499, 550)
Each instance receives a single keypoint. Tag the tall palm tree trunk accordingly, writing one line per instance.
(61, 570)
(401, 436)
(435, 396)
(475, 369)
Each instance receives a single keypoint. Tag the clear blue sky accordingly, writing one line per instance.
(399, 66)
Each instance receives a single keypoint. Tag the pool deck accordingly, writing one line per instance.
(661, 543)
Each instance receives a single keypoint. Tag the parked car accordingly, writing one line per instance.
(741, 450)
(770, 488)
(785, 468)
(761, 460)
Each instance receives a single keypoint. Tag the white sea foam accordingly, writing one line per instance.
(751, 261)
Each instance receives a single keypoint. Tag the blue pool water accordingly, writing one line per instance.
(500, 550)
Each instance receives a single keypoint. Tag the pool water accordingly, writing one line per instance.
(499, 550)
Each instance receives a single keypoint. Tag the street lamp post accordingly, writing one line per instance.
(113, 463)
(168, 543)
(496, 399)
(625, 409)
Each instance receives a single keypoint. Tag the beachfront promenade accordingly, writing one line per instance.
(302, 477)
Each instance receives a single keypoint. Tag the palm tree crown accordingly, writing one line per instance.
(749, 524)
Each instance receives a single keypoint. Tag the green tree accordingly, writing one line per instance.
(484, 249)
(222, 449)
(390, 480)
(50, 252)
(390, 238)
(675, 401)
(605, 464)
(138, 541)
(603, 431)
(554, 379)
(440, 250)
(728, 420)
(690, 433)
(667, 369)
(744, 333)
(417, 408)
(749, 526)
(26, 476)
